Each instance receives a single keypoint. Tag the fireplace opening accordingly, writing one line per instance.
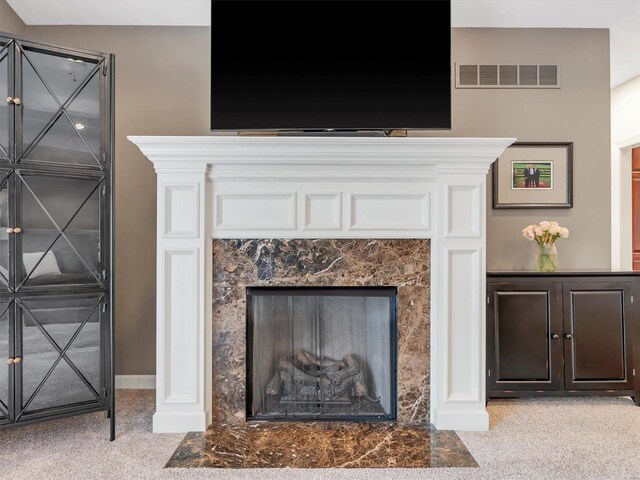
(326, 353)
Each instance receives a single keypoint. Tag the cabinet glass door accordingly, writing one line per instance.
(6, 91)
(60, 240)
(61, 356)
(6, 370)
(61, 103)
(5, 237)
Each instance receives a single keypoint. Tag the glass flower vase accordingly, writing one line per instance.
(546, 257)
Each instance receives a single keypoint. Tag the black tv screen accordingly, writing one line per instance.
(330, 64)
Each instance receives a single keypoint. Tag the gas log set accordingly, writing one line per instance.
(334, 386)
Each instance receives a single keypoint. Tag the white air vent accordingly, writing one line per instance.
(507, 76)
(488, 75)
(548, 75)
(528, 75)
(468, 75)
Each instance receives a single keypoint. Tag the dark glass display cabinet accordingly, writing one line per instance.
(563, 333)
(56, 232)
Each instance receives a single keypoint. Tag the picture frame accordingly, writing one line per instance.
(534, 175)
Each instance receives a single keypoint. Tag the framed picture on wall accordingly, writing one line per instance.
(534, 175)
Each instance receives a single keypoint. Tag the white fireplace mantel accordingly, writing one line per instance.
(320, 187)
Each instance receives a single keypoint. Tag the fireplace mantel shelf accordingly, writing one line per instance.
(171, 152)
(320, 187)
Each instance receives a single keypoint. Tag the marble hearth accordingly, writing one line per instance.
(321, 445)
(402, 192)
(238, 264)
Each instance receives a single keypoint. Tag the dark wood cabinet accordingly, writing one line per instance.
(561, 334)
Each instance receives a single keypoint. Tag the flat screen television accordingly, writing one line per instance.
(330, 64)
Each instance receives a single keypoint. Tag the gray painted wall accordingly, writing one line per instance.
(579, 112)
(9, 21)
(162, 78)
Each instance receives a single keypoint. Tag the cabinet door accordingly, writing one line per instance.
(59, 120)
(62, 368)
(597, 336)
(61, 239)
(7, 219)
(6, 108)
(6, 370)
(522, 320)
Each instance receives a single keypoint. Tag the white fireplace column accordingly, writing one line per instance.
(320, 187)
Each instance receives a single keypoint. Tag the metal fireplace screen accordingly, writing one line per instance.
(321, 353)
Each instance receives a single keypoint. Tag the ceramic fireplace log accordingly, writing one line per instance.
(274, 385)
(340, 377)
(309, 359)
(289, 369)
(355, 381)
(353, 376)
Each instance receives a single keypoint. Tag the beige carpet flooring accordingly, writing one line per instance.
(597, 438)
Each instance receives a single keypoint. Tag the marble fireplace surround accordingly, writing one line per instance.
(250, 187)
(240, 263)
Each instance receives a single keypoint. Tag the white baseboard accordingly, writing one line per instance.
(180, 422)
(136, 382)
(463, 420)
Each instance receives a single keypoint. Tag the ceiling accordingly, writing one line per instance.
(622, 17)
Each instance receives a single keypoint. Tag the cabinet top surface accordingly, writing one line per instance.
(562, 273)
